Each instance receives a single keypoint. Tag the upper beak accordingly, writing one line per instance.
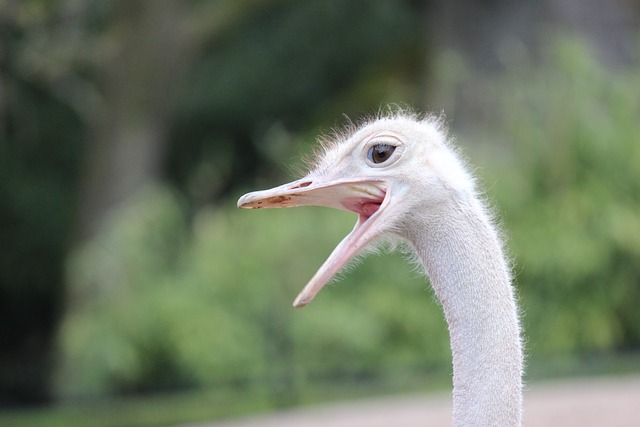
(356, 195)
(366, 196)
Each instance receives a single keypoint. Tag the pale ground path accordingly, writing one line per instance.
(610, 402)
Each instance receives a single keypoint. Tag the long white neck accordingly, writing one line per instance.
(463, 258)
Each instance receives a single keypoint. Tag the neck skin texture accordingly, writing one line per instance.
(463, 258)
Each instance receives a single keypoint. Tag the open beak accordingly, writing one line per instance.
(367, 197)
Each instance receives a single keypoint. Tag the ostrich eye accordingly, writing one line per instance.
(380, 153)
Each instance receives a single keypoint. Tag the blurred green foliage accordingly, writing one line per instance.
(216, 87)
(571, 199)
(207, 303)
(210, 305)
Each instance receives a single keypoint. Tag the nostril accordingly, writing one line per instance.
(302, 185)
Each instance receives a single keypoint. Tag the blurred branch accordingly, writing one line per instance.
(148, 48)
(138, 81)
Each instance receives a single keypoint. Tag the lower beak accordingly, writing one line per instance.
(367, 197)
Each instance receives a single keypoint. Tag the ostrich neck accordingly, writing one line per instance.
(463, 257)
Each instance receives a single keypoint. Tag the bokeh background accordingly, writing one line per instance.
(133, 292)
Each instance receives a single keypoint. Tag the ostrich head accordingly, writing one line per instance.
(388, 171)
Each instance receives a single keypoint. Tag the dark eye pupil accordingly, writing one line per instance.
(380, 153)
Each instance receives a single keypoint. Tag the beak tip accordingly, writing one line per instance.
(301, 301)
(242, 202)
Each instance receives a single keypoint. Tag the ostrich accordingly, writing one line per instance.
(404, 179)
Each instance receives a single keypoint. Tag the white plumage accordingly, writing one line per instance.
(405, 181)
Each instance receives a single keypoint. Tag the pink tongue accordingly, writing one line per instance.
(362, 207)
(369, 209)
